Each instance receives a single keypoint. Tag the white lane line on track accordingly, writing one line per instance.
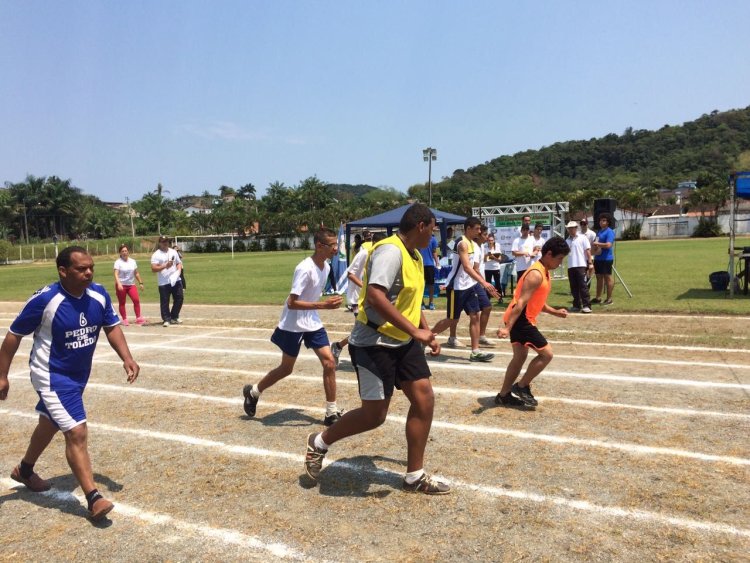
(629, 448)
(466, 352)
(581, 506)
(221, 535)
(496, 370)
(453, 390)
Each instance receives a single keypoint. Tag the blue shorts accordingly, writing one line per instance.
(63, 408)
(291, 342)
(461, 300)
(482, 297)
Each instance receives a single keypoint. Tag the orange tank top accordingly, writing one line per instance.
(538, 298)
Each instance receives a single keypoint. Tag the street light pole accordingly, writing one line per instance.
(429, 154)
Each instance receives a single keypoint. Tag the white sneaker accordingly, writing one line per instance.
(586, 310)
(166, 323)
(484, 340)
(453, 342)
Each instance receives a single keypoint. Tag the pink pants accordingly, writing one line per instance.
(133, 292)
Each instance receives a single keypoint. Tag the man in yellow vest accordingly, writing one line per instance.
(386, 351)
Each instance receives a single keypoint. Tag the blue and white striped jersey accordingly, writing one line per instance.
(65, 329)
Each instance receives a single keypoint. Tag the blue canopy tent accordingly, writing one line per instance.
(391, 219)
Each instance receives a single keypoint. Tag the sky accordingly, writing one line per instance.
(119, 96)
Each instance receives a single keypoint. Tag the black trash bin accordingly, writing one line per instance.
(719, 281)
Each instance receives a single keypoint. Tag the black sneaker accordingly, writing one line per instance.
(596, 300)
(250, 402)
(524, 393)
(509, 401)
(427, 485)
(332, 418)
(313, 458)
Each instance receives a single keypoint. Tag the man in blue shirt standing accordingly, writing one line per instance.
(65, 318)
(604, 257)
(430, 260)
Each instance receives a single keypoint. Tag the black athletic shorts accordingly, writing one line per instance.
(429, 275)
(603, 267)
(380, 369)
(523, 332)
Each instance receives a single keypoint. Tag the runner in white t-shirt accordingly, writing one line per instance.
(300, 323)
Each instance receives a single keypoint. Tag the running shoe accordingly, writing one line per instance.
(250, 402)
(166, 324)
(140, 321)
(427, 485)
(176, 321)
(424, 307)
(586, 310)
(313, 458)
(100, 509)
(481, 357)
(524, 393)
(596, 300)
(453, 342)
(431, 307)
(509, 401)
(33, 482)
(485, 341)
(574, 310)
(332, 418)
(336, 351)
(608, 302)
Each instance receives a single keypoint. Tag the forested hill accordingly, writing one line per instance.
(705, 150)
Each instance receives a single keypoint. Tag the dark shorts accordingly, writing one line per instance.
(291, 342)
(429, 275)
(380, 369)
(482, 297)
(461, 300)
(525, 333)
(603, 267)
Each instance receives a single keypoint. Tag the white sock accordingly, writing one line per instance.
(476, 351)
(319, 443)
(413, 476)
(331, 408)
(255, 392)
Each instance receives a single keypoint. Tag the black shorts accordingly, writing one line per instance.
(525, 333)
(603, 267)
(429, 275)
(380, 369)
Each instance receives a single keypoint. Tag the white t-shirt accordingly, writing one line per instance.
(357, 268)
(167, 276)
(479, 256)
(589, 234)
(308, 284)
(523, 244)
(126, 270)
(491, 265)
(535, 257)
(578, 247)
(462, 280)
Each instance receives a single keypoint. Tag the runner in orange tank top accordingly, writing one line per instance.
(529, 299)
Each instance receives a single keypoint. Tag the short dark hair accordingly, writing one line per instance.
(524, 227)
(524, 217)
(539, 226)
(484, 229)
(63, 259)
(471, 222)
(322, 234)
(377, 237)
(416, 214)
(606, 216)
(557, 246)
(119, 248)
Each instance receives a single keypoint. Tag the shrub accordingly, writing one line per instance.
(304, 243)
(254, 246)
(225, 246)
(6, 250)
(271, 244)
(211, 246)
(239, 246)
(707, 227)
(633, 232)
(285, 245)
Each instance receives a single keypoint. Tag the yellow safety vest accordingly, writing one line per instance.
(409, 299)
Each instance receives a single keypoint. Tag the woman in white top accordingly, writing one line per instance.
(492, 254)
(126, 273)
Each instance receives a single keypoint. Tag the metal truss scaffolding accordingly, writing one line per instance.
(556, 211)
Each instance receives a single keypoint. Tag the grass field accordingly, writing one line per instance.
(664, 276)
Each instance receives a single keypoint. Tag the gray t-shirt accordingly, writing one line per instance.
(383, 269)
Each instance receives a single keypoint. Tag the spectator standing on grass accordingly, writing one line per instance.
(430, 261)
(604, 259)
(492, 253)
(166, 263)
(65, 319)
(485, 305)
(522, 251)
(588, 233)
(536, 242)
(126, 274)
(529, 299)
(300, 323)
(386, 350)
(579, 264)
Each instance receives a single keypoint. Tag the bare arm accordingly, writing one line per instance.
(7, 352)
(117, 341)
(118, 285)
(295, 303)
(354, 279)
